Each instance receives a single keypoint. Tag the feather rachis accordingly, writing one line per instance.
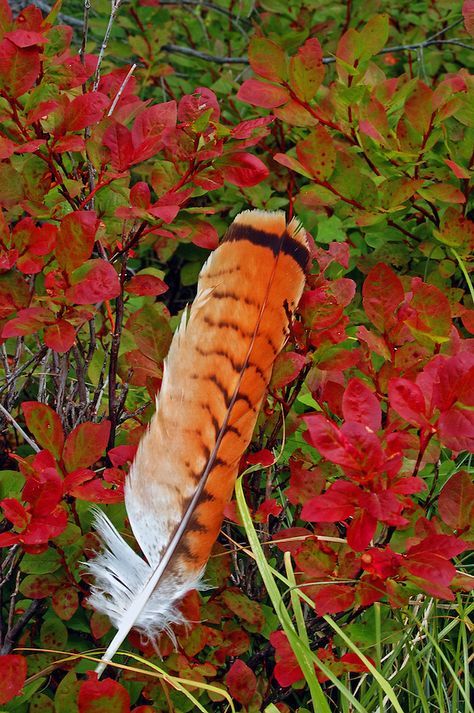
(215, 378)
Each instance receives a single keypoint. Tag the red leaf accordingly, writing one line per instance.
(383, 506)
(77, 477)
(354, 447)
(192, 106)
(408, 485)
(148, 129)
(41, 111)
(83, 484)
(76, 239)
(262, 94)
(263, 457)
(286, 368)
(93, 282)
(304, 484)
(468, 15)
(287, 669)
(19, 68)
(43, 491)
(85, 110)
(27, 321)
(456, 429)
(145, 285)
(15, 512)
(244, 169)
(26, 38)
(241, 682)
(12, 675)
(204, 235)
(152, 121)
(106, 696)
(7, 148)
(456, 501)
(85, 444)
(69, 143)
(453, 383)
(245, 129)
(120, 455)
(383, 563)
(375, 343)
(140, 195)
(361, 530)
(432, 587)
(369, 590)
(430, 316)
(407, 399)
(337, 503)
(60, 336)
(45, 426)
(459, 171)
(382, 294)
(360, 404)
(267, 508)
(118, 139)
(167, 213)
(446, 546)
(431, 568)
(333, 598)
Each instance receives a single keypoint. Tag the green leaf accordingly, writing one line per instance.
(456, 230)
(307, 70)
(267, 59)
(11, 186)
(11, 483)
(43, 563)
(151, 331)
(317, 153)
(45, 426)
(39, 586)
(65, 700)
(330, 229)
(41, 704)
(53, 634)
(374, 36)
(85, 445)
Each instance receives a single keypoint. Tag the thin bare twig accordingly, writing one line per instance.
(178, 49)
(34, 360)
(121, 89)
(85, 30)
(114, 406)
(18, 428)
(115, 5)
(16, 630)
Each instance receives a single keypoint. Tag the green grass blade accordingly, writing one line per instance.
(303, 655)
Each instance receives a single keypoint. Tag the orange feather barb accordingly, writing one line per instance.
(216, 375)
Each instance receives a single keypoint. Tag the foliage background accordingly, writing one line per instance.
(114, 185)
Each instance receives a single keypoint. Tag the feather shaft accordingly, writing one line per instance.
(215, 379)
